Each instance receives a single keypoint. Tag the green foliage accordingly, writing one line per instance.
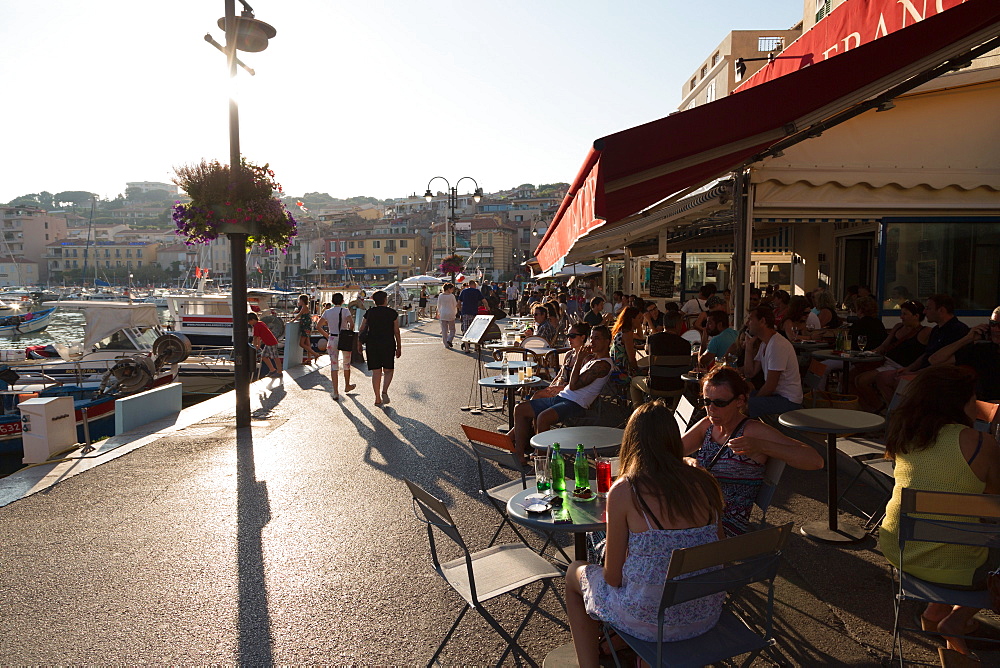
(525, 186)
(73, 197)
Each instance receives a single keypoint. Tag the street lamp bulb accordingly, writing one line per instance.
(478, 195)
(428, 195)
(534, 233)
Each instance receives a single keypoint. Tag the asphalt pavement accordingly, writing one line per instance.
(294, 542)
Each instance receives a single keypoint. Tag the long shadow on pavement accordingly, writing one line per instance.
(253, 512)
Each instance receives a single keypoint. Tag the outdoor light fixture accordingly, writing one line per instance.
(251, 34)
(452, 204)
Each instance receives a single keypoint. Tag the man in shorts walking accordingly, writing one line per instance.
(265, 339)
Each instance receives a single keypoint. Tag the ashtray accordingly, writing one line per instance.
(538, 508)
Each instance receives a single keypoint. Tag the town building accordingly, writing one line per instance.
(106, 258)
(27, 231)
(718, 75)
(148, 186)
(16, 272)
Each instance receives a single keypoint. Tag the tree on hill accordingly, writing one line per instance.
(73, 197)
(525, 186)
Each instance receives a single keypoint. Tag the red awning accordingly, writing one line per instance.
(633, 169)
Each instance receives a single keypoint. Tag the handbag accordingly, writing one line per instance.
(345, 340)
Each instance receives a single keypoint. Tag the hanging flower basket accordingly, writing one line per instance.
(451, 264)
(221, 205)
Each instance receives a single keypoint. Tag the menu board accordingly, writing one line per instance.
(476, 330)
(661, 279)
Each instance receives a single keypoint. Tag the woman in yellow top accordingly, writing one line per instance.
(936, 449)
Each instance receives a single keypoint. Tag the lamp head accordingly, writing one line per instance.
(428, 195)
(478, 195)
(251, 34)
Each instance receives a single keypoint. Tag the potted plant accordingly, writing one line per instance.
(451, 265)
(247, 204)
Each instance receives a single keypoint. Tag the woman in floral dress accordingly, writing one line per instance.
(658, 504)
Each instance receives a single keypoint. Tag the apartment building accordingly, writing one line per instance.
(717, 76)
(27, 231)
(62, 256)
(382, 256)
(486, 242)
(147, 186)
(17, 272)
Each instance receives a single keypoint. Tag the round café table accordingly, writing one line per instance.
(831, 421)
(584, 516)
(607, 440)
(510, 384)
(848, 359)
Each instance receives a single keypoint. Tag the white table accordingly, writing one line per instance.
(607, 440)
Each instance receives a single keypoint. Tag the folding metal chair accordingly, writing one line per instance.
(955, 519)
(499, 448)
(738, 562)
(481, 576)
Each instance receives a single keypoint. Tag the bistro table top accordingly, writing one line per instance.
(809, 344)
(511, 364)
(568, 437)
(831, 420)
(853, 356)
(510, 381)
(585, 515)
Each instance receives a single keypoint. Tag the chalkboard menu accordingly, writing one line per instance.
(661, 279)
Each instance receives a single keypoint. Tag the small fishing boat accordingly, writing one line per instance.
(15, 325)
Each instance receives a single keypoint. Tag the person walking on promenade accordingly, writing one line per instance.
(471, 299)
(335, 319)
(512, 296)
(447, 309)
(304, 315)
(380, 331)
(422, 303)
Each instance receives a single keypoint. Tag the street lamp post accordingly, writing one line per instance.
(452, 204)
(243, 33)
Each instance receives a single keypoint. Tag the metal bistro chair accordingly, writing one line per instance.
(955, 520)
(665, 366)
(772, 476)
(481, 576)
(499, 448)
(739, 562)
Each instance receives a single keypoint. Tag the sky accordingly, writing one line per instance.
(350, 98)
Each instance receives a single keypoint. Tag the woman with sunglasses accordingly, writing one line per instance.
(735, 449)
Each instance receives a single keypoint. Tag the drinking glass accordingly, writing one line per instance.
(603, 476)
(795, 333)
(520, 374)
(542, 479)
(528, 372)
(862, 341)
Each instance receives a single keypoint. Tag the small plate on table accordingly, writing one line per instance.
(578, 499)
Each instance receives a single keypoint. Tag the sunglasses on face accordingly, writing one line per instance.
(718, 403)
(573, 335)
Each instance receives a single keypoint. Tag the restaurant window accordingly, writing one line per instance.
(957, 257)
(822, 9)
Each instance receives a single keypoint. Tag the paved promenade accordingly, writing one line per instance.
(295, 543)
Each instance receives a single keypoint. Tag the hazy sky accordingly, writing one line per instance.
(350, 98)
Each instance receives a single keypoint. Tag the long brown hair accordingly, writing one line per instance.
(625, 319)
(652, 459)
(935, 398)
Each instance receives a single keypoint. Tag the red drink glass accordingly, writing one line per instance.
(603, 477)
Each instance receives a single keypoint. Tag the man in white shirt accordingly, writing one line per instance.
(782, 389)
(693, 307)
(512, 297)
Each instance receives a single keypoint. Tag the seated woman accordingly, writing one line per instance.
(658, 504)
(826, 310)
(542, 326)
(734, 448)
(935, 448)
(623, 336)
(904, 344)
(799, 321)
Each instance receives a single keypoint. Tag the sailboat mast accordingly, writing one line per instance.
(86, 249)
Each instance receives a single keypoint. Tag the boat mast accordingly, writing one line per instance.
(86, 249)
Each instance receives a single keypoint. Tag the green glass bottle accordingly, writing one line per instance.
(557, 470)
(581, 468)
